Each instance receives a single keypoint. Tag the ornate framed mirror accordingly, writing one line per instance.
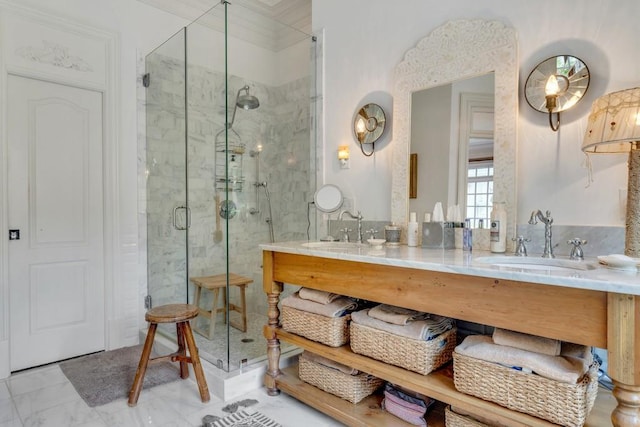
(459, 50)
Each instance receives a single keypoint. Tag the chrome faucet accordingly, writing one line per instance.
(357, 217)
(547, 220)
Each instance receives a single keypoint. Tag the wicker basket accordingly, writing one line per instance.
(415, 355)
(561, 403)
(331, 331)
(353, 388)
(453, 419)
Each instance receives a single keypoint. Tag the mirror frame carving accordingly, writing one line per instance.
(459, 50)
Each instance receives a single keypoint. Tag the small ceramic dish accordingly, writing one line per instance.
(619, 262)
(376, 243)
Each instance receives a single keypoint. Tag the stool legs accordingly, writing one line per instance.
(142, 366)
(182, 355)
(243, 305)
(195, 361)
(185, 342)
(213, 313)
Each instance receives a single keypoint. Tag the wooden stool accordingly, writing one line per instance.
(180, 314)
(215, 284)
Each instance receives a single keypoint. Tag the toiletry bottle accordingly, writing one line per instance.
(234, 169)
(498, 231)
(466, 235)
(412, 230)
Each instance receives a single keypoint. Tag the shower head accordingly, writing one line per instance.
(246, 101)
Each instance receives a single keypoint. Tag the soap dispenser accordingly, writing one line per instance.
(412, 230)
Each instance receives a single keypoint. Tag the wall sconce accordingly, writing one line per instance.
(555, 85)
(368, 126)
(343, 156)
(614, 127)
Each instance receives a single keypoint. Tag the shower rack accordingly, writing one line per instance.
(234, 179)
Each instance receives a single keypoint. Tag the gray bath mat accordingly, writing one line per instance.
(103, 377)
(243, 419)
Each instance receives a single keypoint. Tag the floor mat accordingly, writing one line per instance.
(103, 377)
(244, 419)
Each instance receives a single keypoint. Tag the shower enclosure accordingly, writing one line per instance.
(230, 163)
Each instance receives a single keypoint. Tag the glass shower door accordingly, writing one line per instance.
(168, 216)
(230, 164)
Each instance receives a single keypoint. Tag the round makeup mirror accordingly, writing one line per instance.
(328, 198)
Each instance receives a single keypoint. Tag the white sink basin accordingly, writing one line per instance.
(536, 263)
(341, 246)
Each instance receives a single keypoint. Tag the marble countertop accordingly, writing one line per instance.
(587, 274)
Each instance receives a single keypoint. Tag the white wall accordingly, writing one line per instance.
(365, 39)
(134, 27)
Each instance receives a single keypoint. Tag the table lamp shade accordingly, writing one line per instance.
(613, 123)
(614, 127)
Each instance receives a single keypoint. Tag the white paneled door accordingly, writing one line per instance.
(56, 264)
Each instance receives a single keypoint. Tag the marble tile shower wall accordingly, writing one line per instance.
(280, 126)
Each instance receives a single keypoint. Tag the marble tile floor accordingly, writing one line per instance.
(45, 397)
(249, 345)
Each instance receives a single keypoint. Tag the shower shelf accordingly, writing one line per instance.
(229, 177)
(229, 184)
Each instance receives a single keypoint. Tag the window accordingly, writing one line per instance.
(479, 192)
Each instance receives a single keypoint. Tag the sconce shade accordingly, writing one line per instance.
(613, 123)
(570, 83)
(614, 127)
(556, 85)
(369, 123)
(343, 152)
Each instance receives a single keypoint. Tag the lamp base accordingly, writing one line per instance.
(632, 234)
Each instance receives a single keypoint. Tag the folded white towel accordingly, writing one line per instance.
(396, 315)
(527, 342)
(322, 297)
(569, 367)
(316, 358)
(425, 330)
(339, 307)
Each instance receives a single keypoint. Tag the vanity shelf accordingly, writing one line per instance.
(535, 308)
(438, 385)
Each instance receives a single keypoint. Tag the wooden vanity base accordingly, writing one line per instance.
(589, 317)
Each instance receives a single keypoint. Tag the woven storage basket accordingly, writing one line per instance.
(331, 331)
(453, 419)
(353, 388)
(560, 403)
(415, 355)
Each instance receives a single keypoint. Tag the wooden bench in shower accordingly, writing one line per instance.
(215, 284)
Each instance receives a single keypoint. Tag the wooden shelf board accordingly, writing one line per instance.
(365, 413)
(438, 385)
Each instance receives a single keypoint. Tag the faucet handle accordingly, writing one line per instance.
(521, 249)
(345, 236)
(372, 233)
(576, 248)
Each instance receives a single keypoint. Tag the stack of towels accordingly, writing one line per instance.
(316, 358)
(403, 322)
(320, 302)
(406, 405)
(549, 358)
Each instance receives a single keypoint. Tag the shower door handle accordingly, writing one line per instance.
(181, 226)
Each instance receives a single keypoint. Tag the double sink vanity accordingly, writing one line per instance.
(575, 301)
